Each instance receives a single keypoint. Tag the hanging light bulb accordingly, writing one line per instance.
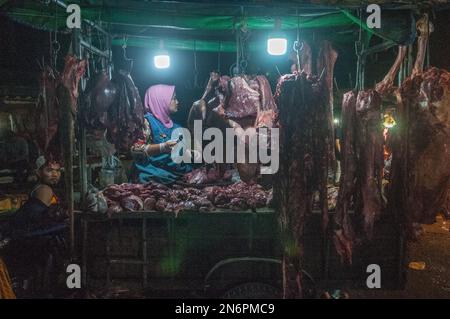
(162, 59)
(276, 46)
(277, 42)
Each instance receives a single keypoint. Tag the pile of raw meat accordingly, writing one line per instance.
(159, 197)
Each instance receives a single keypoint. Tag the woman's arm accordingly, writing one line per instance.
(145, 147)
(139, 148)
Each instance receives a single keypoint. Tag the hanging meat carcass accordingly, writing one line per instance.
(67, 95)
(126, 114)
(45, 115)
(115, 106)
(421, 156)
(323, 126)
(343, 230)
(70, 78)
(306, 130)
(363, 161)
(100, 95)
(240, 103)
(55, 92)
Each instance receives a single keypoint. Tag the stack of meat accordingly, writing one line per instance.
(306, 139)
(159, 197)
(421, 152)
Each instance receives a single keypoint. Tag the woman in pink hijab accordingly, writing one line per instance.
(152, 153)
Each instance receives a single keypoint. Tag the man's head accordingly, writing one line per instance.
(48, 171)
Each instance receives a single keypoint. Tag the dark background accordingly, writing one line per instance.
(22, 46)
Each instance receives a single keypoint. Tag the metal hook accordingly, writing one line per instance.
(56, 46)
(125, 41)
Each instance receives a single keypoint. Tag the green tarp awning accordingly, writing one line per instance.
(146, 23)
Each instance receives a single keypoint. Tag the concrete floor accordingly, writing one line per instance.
(433, 248)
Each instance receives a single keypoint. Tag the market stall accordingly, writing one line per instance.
(345, 190)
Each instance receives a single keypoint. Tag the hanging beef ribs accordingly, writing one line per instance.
(421, 156)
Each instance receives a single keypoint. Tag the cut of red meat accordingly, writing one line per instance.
(244, 101)
(113, 207)
(161, 205)
(149, 203)
(132, 203)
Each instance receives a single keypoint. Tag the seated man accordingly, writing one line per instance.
(35, 229)
(42, 210)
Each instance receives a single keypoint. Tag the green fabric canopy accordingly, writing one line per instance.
(134, 19)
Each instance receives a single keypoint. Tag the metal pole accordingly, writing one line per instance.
(94, 49)
(67, 146)
(110, 66)
(237, 51)
(363, 73)
(82, 136)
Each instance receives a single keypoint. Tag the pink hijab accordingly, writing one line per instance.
(157, 101)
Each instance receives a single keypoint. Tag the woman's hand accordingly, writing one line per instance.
(167, 146)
